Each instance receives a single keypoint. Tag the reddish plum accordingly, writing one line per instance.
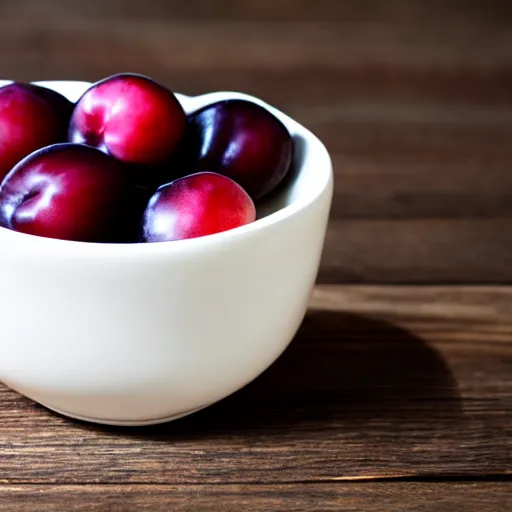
(241, 140)
(67, 191)
(196, 205)
(31, 117)
(131, 117)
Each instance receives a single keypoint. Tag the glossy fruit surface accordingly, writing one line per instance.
(69, 192)
(241, 140)
(196, 205)
(131, 117)
(31, 117)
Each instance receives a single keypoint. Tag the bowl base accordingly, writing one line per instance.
(123, 423)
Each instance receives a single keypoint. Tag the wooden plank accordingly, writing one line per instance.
(418, 251)
(388, 382)
(203, 46)
(390, 133)
(368, 190)
(389, 497)
(364, 36)
(393, 161)
(398, 12)
(343, 48)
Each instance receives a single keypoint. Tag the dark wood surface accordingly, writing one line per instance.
(413, 99)
(355, 497)
(391, 397)
(381, 383)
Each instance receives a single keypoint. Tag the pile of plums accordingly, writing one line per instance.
(125, 163)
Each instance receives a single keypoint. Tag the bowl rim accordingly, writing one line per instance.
(323, 185)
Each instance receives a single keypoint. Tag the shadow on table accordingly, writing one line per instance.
(341, 370)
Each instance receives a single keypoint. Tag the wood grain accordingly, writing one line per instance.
(389, 497)
(381, 382)
(414, 250)
(413, 99)
(396, 12)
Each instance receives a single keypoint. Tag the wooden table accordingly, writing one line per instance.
(397, 392)
(399, 398)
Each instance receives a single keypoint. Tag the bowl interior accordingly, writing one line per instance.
(311, 171)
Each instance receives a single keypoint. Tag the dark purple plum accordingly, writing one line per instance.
(70, 192)
(241, 140)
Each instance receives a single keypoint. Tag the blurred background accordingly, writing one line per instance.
(413, 99)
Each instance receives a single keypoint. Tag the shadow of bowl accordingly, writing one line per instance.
(340, 369)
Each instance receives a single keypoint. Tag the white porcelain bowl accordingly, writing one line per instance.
(138, 334)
